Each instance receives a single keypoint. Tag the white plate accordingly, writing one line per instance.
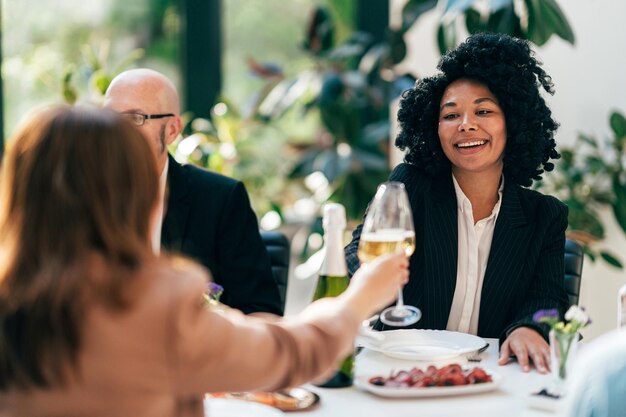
(363, 383)
(423, 345)
(219, 407)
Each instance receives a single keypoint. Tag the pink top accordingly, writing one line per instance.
(161, 355)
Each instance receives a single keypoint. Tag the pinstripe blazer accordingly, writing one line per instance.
(525, 266)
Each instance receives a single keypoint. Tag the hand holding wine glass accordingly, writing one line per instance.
(388, 227)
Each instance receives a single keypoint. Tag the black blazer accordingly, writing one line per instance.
(208, 218)
(525, 266)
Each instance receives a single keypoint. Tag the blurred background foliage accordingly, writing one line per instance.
(67, 50)
(535, 20)
(304, 111)
(591, 180)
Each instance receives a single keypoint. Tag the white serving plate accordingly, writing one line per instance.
(422, 345)
(362, 382)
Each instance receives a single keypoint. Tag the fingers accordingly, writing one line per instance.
(405, 277)
(505, 352)
(382, 278)
(397, 262)
(392, 260)
(510, 348)
(539, 356)
(520, 351)
(541, 360)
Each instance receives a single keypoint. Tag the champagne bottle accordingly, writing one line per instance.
(333, 280)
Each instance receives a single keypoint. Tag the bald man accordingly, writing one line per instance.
(207, 216)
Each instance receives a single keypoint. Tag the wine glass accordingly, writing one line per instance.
(388, 227)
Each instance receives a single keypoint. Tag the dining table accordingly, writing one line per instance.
(511, 398)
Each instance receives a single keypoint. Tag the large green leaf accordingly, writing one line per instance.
(619, 206)
(342, 121)
(397, 46)
(276, 98)
(446, 36)
(373, 60)
(561, 26)
(611, 259)
(505, 21)
(320, 33)
(473, 22)
(340, 115)
(546, 18)
(344, 11)
(618, 125)
(414, 9)
(68, 89)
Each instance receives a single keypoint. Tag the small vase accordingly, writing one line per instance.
(563, 348)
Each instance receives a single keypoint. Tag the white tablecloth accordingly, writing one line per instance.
(510, 399)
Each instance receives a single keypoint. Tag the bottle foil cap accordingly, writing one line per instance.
(334, 216)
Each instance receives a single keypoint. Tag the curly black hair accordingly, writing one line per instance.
(507, 66)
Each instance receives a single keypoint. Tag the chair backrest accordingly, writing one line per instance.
(278, 249)
(573, 270)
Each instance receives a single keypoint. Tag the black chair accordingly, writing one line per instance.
(278, 248)
(573, 270)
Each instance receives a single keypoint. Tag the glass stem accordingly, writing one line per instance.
(400, 302)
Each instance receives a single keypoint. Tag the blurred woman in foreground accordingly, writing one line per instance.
(92, 323)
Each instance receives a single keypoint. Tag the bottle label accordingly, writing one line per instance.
(330, 286)
(334, 263)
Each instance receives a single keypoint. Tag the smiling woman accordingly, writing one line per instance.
(488, 252)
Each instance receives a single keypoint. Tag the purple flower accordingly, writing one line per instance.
(542, 316)
(214, 291)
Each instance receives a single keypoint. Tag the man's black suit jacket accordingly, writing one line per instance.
(525, 266)
(208, 218)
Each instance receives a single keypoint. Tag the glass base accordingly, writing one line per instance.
(400, 316)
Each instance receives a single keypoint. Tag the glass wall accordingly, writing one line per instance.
(64, 50)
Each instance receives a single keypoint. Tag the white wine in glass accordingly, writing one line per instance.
(388, 227)
(373, 245)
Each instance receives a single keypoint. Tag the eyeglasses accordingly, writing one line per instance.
(139, 118)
